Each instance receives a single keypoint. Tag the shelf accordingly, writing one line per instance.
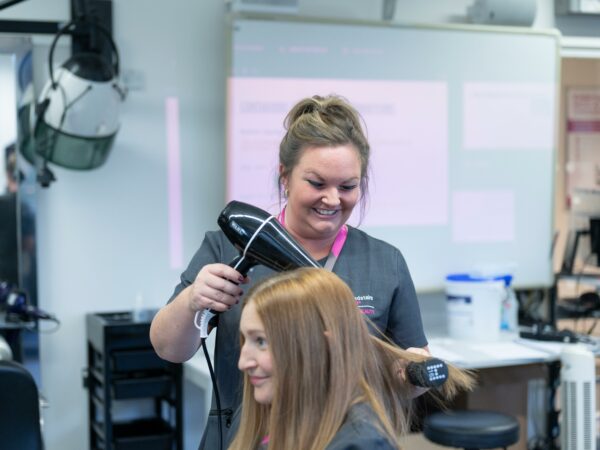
(97, 375)
(98, 402)
(123, 366)
(142, 387)
(145, 434)
(98, 428)
(580, 47)
(137, 360)
(119, 330)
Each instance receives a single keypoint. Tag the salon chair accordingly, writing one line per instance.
(20, 427)
(471, 430)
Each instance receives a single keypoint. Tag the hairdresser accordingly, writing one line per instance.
(323, 175)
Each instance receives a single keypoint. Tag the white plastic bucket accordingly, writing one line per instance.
(473, 305)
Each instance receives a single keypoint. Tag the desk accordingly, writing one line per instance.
(585, 278)
(515, 376)
(508, 351)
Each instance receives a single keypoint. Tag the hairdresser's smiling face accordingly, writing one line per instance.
(255, 356)
(323, 189)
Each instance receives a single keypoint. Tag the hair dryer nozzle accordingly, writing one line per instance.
(261, 238)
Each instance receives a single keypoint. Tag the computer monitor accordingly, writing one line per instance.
(595, 238)
(9, 268)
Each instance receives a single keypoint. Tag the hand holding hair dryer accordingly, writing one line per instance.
(260, 239)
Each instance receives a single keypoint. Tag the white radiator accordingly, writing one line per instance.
(578, 399)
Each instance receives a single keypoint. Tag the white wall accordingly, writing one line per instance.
(103, 235)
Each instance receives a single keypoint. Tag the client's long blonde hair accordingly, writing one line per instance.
(324, 361)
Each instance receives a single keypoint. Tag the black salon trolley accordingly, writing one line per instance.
(125, 375)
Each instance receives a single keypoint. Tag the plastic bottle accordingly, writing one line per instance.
(510, 311)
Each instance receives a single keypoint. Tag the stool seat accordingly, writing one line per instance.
(471, 429)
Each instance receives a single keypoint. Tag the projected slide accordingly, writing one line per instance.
(493, 108)
(483, 216)
(407, 128)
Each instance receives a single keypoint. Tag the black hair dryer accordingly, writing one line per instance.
(261, 239)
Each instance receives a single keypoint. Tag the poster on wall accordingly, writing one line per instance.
(583, 148)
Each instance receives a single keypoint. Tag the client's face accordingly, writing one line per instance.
(255, 356)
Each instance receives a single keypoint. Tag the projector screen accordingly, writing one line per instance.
(462, 127)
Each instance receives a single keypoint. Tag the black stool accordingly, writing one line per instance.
(471, 429)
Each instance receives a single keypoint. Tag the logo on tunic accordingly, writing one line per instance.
(365, 304)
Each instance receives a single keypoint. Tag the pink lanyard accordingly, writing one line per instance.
(336, 248)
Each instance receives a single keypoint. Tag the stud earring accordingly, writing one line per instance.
(286, 193)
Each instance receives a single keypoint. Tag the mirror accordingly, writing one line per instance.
(18, 272)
